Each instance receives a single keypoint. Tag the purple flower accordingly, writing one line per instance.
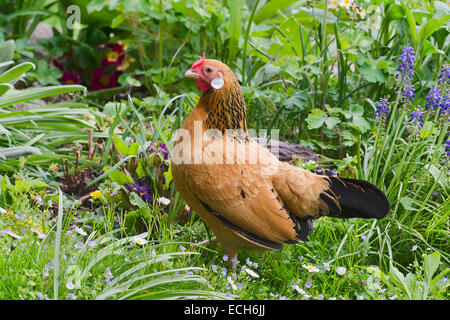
(406, 66)
(382, 107)
(417, 116)
(445, 104)
(445, 74)
(165, 151)
(308, 284)
(434, 98)
(141, 188)
(408, 92)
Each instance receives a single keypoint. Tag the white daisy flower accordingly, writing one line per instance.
(311, 268)
(138, 240)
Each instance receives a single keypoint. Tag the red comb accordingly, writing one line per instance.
(199, 62)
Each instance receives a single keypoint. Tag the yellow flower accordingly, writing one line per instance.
(112, 56)
(96, 194)
(187, 208)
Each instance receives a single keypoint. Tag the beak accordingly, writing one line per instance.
(191, 74)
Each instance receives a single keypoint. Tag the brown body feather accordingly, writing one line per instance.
(248, 204)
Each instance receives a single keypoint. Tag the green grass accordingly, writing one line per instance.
(313, 73)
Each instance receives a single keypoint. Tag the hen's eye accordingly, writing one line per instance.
(209, 70)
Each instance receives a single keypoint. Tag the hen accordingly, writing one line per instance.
(248, 198)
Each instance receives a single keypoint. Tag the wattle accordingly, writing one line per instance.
(202, 85)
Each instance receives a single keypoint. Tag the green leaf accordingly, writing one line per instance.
(117, 21)
(120, 145)
(118, 176)
(4, 87)
(407, 203)
(16, 71)
(136, 200)
(429, 48)
(95, 5)
(372, 74)
(430, 27)
(316, 119)
(168, 176)
(411, 23)
(37, 93)
(431, 263)
(15, 152)
(270, 9)
(331, 122)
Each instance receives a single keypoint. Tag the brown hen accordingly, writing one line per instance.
(248, 198)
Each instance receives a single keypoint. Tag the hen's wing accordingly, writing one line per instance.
(242, 198)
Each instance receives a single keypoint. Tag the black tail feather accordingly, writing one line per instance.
(350, 198)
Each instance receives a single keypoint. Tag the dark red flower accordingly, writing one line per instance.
(69, 77)
(102, 80)
(115, 56)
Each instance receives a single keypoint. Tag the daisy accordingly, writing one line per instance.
(311, 268)
(138, 240)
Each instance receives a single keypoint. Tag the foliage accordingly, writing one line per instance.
(88, 118)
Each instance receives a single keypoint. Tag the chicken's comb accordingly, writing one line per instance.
(198, 63)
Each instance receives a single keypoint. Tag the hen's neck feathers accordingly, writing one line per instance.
(225, 107)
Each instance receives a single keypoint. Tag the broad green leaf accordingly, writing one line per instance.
(429, 48)
(411, 23)
(431, 263)
(118, 176)
(399, 279)
(431, 26)
(316, 119)
(372, 74)
(120, 145)
(16, 71)
(331, 122)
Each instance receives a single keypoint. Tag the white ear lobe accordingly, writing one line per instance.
(217, 83)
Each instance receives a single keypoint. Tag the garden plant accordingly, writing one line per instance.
(92, 94)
